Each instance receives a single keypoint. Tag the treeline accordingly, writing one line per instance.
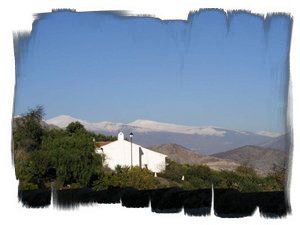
(191, 177)
(66, 158)
(244, 179)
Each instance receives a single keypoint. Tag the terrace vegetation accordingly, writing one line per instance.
(47, 157)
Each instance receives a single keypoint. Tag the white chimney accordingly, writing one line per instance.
(120, 136)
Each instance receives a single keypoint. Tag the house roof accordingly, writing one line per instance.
(99, 144)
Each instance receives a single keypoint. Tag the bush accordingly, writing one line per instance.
(136, 177)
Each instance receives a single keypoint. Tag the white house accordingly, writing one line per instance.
(119, 153)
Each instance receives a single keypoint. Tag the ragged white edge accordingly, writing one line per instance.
(256, 213)
(212, 209)
(17, 15)
(154, 8)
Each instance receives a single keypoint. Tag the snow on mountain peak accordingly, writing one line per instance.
(62, 121)
(268, 134)
(144, 126)
(137, 126)
(148, 125)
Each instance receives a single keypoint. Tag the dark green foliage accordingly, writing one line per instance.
(244, 178)
(72, 155)
(174, 171)
(101, 137)
(195, 176)
(276, 179)
(75, 127)
(25, 174)
(29, 132)
(27, 138)
(139, 178)
(199, 176)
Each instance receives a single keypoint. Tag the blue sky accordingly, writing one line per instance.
(209, 70)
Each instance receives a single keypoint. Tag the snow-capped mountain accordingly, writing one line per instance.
(141, 126)
(148, 126)
(63, 121)
(207, 139)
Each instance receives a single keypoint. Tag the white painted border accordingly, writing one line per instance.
(17, 15)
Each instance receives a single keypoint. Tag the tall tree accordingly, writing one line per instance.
(28, 132)
(72, 155)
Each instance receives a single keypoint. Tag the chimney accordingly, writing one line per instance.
(120, 136)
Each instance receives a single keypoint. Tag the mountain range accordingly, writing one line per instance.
(259, 158)
(204, 139)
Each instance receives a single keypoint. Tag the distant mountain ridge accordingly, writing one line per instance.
(140, 126)
(182, 155)
(282, 143)
(206, 139)
(260, 158)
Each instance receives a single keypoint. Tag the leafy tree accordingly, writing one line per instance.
(226, 179)
(72, 155)
(174, 171)
(199, 176)
(101, 137)
(75, 127)
(28, 132)
(140, 178)
(25, 173)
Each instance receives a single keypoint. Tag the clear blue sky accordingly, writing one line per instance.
(207, 71)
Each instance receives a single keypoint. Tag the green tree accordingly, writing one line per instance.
(174, 171)
(72, 155)
(75, 127)
(28, 131)
(101, 137)
(140, 178)
(199, 176)
(25, 173)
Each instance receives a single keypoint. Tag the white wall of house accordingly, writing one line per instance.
(119, 153)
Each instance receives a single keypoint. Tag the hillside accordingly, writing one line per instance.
(261, 159)
(281, 143)
(183, 155)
